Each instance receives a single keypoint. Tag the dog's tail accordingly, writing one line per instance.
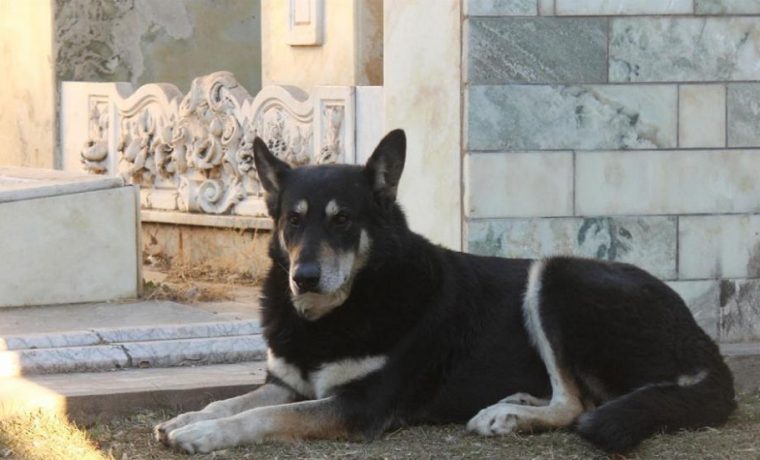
(704, 399)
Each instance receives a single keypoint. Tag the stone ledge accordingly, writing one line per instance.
(100, 396)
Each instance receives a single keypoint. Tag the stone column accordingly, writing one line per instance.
(27, 94)
(422, 85)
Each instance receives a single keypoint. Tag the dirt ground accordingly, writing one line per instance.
(43, 438)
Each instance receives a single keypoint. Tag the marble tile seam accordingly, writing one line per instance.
(607, 150)
(593, 216)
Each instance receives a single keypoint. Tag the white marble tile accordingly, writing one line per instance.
(702, 116)
(622, 7)
(667, 182)
(519, 184)
(743, 101)
(655, 49)
(702, 299)
(73, 248)
(649, 242)
(67, 359)
(740, 310)
(536, 117)
(727, 6)
(48, 340)
(187, 352)
(26, 183)
(369, 121)
(422, 86)
(500, 7)
(725, 246)
(178, 331)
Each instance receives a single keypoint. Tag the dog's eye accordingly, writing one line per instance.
(342, 218)
(294, 219)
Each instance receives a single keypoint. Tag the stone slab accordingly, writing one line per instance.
(540, 117)
(519, 184)
(622, 7)
(649, 242)
(199, 351)
(702, 298)
(727, 6)
(79, 247)
(62, 360)
(500, 7)
(743, 111)
(667, 182)
(27, 183)
(118, 315)
(701, 116)
(536, 50)
(65, 339)
(651, 49)
(178, 331)
(100, 396)
(740, 310)
(725, 246)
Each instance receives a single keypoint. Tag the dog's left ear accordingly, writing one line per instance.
(270, 168)
(385, 165)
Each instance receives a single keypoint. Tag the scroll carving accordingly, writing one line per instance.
(194, 152)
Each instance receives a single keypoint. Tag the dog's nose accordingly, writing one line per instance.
(306, 277)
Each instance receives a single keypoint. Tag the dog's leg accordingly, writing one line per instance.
(525, 399)
(319, 419)
(565, 404)
(267, 395)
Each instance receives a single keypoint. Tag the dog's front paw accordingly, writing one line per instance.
(496, 419)
(525, 399)
(162, 430)
(200, 437)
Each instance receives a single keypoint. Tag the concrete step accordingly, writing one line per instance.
(100, 396)
(141, 347)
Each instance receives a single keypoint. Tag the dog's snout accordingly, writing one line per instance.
(306, 277)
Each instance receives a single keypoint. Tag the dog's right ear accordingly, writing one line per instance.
(271, 170)
(386, 164)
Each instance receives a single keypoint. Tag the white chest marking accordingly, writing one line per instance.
(319, 383)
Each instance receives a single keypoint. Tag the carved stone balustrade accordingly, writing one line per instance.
(192, 154)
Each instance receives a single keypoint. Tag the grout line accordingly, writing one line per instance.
(725, 115)
(678, 246)
(678, 115)
(575, 183)
(616, 216)
(616, 151)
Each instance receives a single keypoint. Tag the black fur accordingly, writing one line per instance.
(452, 324)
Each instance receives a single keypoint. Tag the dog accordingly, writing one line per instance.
(370, 326)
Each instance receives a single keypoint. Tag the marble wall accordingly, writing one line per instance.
(624, 130)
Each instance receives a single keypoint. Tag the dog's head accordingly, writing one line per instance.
(322, 216)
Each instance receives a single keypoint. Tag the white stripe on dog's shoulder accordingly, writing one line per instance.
(332, 208)
(687, 380)
(289, 374)
(338, 373)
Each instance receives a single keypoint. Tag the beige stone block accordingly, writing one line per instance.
(719, 246)
(667, 182)
(519, 184)
(702, 116)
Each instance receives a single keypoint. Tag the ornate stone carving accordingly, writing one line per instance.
(194, 152)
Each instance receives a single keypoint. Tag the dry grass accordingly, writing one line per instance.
(45, 437)
(40, 437)
(186, 292)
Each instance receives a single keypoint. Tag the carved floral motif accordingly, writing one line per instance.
(194, 152)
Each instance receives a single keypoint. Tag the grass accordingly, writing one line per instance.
(40, 437)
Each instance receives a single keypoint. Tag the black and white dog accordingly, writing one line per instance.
(371, 326)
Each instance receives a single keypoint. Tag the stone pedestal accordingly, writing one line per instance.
(66, 238)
